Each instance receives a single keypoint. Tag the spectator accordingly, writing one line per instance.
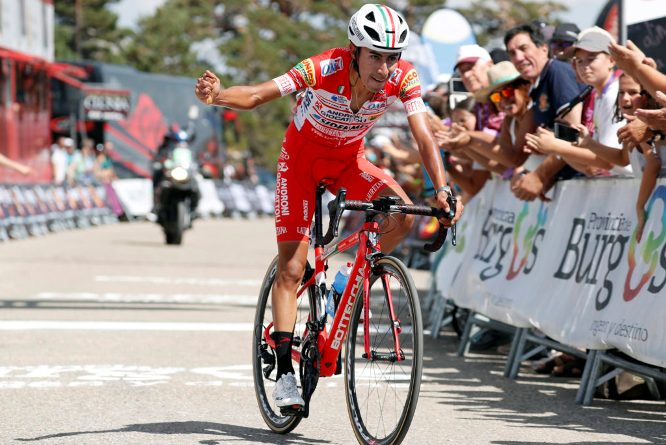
(561, 43)
(82, 164)
(646, 158)
(595, 67)
(510, 93)
(553, 85)
(60, 158)
(103, 168)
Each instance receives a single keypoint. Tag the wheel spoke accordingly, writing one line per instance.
(382, 394)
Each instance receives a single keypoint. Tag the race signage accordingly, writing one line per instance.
(575, 268)
(106, 104)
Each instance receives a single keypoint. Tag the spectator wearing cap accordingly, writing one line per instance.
(473, 62)
(564, 36)
(510, 93)
(595, 67)
(61, 156)
(553, 86)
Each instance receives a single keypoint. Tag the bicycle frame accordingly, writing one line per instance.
(330, 343)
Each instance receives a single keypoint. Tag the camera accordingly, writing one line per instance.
(566, 132)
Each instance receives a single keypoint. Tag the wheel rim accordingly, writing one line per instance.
(264, 386)
(382, 395)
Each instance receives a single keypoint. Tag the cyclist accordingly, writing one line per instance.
(345, 91)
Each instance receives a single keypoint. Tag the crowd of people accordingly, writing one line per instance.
(557, 103)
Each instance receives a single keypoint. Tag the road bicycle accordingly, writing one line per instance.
(377, 318)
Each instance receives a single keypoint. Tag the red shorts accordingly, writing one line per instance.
(302, 165)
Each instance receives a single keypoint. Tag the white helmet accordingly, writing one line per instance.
(380, 28)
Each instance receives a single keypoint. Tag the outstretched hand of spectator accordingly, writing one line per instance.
(655, 119)
(541, 142)
(632, 134)
(628, 58)
(528, 187)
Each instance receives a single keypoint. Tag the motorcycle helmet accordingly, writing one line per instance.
(380, 28)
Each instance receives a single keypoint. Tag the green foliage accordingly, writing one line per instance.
(163, 42)
(87, 29)
(257, 40)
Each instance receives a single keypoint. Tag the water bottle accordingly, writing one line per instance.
(337, 288)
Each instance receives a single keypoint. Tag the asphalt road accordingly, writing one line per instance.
(108, 336)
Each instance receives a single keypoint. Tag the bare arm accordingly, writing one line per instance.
(6, 162)
(648, 181)
(241, 97)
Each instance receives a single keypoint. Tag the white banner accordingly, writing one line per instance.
(572, 267)
(136, 195)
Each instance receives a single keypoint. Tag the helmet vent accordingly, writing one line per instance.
(403, 36)
(370, 16)
(372, 33)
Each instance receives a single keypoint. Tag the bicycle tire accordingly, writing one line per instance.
(270, 413)
(367, 406)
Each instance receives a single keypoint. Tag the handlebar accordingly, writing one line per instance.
(387, 205)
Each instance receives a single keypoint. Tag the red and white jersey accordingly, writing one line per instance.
(323, 112)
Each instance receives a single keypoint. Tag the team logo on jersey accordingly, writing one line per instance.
(307, 71)
(395, 76)
(543, 103)
(374, 105)
(330, 66)
(410, 81)
(341, 89)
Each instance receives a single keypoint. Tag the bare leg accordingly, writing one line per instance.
(292, 256)
(396, 227)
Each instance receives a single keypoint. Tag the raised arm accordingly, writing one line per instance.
(241, 97)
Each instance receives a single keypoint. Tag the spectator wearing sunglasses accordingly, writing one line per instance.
(561, 43)
(509, 92)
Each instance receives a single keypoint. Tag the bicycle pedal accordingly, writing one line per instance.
(294, 410)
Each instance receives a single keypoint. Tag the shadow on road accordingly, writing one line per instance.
(475, 385)
(193, 427)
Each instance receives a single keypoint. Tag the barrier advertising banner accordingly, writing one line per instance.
(572, 267)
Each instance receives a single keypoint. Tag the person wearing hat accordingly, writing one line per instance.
(510, 94)
(564, 36)
(602, 150)
(473, 62)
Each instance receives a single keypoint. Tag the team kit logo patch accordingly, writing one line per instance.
(307, 71)
(331, 66)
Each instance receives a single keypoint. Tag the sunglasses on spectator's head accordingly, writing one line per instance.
(506, 92)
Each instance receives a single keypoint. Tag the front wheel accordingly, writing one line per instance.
(382, 391)
(264, 363)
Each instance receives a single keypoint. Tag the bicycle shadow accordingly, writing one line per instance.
(226, 432)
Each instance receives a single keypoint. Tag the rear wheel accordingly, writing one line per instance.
(264, 364)
(382, 392)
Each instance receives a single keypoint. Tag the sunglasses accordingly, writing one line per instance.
(506, 92)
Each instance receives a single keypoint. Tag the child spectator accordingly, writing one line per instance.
(645, 158)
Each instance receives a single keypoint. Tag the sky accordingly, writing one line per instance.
(581, 12)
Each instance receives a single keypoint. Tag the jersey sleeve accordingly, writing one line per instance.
(298, 78)
(409, 92)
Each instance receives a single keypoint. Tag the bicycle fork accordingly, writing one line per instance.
(397, 354)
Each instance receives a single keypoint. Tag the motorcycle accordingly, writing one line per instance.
(177, 193)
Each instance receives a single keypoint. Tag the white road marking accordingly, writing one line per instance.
(41, 325)
(176, 280)
(180, 298)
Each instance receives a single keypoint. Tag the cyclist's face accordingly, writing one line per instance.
(375, 68)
